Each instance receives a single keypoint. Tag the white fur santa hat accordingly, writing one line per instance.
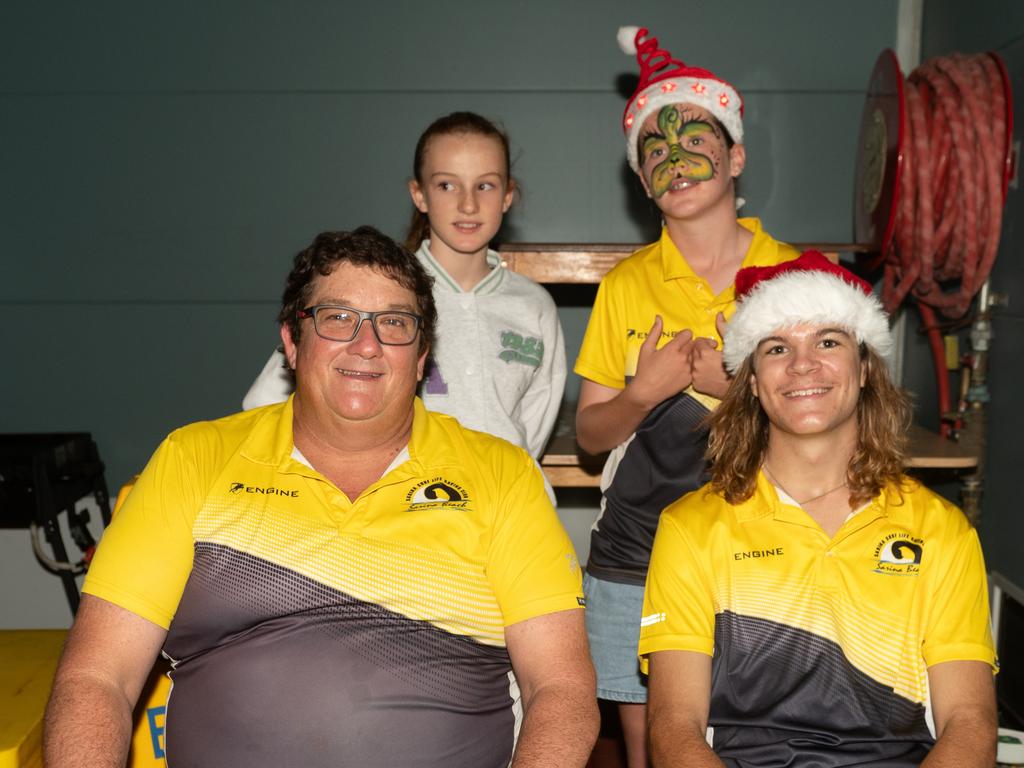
(664, 80)
(810, 289)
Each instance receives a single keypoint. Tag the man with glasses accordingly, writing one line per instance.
(341, 579)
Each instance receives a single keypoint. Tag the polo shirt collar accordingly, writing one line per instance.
(272, 440)
(446, 283)
(674, 266)
(429, 439)
(894, 504)
(765, 502)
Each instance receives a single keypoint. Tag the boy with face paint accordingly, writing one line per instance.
(650, 360)
(681, 146)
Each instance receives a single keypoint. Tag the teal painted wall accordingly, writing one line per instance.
(161, 164)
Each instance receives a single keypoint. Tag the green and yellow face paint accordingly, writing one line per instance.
(675, 147)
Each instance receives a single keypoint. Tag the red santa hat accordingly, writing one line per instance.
(664, 80)
(810, 289)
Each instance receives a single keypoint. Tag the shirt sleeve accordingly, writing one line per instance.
(145, 556)
(531, 563)
(679, 610)
(540, 403)
(602, 357)
(958, 626)
(273, 385)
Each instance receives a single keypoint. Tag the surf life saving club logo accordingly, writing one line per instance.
(437, 493)
(899, 555)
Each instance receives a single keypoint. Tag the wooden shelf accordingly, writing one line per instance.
(564, 263)
(568, 263)
(931, 451)
(575, 263)
(565, 468)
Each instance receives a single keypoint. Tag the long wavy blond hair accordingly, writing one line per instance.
(739, 435)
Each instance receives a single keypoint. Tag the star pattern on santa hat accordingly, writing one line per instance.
(666, 80)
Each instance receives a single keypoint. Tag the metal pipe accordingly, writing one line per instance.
(974, 417)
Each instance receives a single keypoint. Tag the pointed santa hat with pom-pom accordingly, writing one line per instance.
(664, 80)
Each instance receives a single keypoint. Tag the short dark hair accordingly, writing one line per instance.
(363, 247)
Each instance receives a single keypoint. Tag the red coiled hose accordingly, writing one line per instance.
(952, 184)
(952, 190)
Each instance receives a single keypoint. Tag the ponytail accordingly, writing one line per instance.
(419, 230)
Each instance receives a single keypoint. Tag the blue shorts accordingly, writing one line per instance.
(613, 628)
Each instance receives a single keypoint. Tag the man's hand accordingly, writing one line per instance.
(706, 368)
(661, 373)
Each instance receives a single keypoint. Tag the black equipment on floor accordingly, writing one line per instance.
(46, 474)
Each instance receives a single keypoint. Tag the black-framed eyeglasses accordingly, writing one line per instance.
(337, 323)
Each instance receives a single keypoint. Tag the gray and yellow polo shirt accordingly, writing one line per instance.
(309, 629)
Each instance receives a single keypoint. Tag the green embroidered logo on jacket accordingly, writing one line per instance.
(517, 349)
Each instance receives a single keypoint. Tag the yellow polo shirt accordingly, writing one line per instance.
(819, 645)
(307, 628)
(656, 280)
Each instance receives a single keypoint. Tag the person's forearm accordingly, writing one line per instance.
(966, 743)
(539, 410)
(602, 426)
(559, 729)
(87, 723)
(675, 746)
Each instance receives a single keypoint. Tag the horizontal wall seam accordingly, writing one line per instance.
(388, 91)
(137, 302)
